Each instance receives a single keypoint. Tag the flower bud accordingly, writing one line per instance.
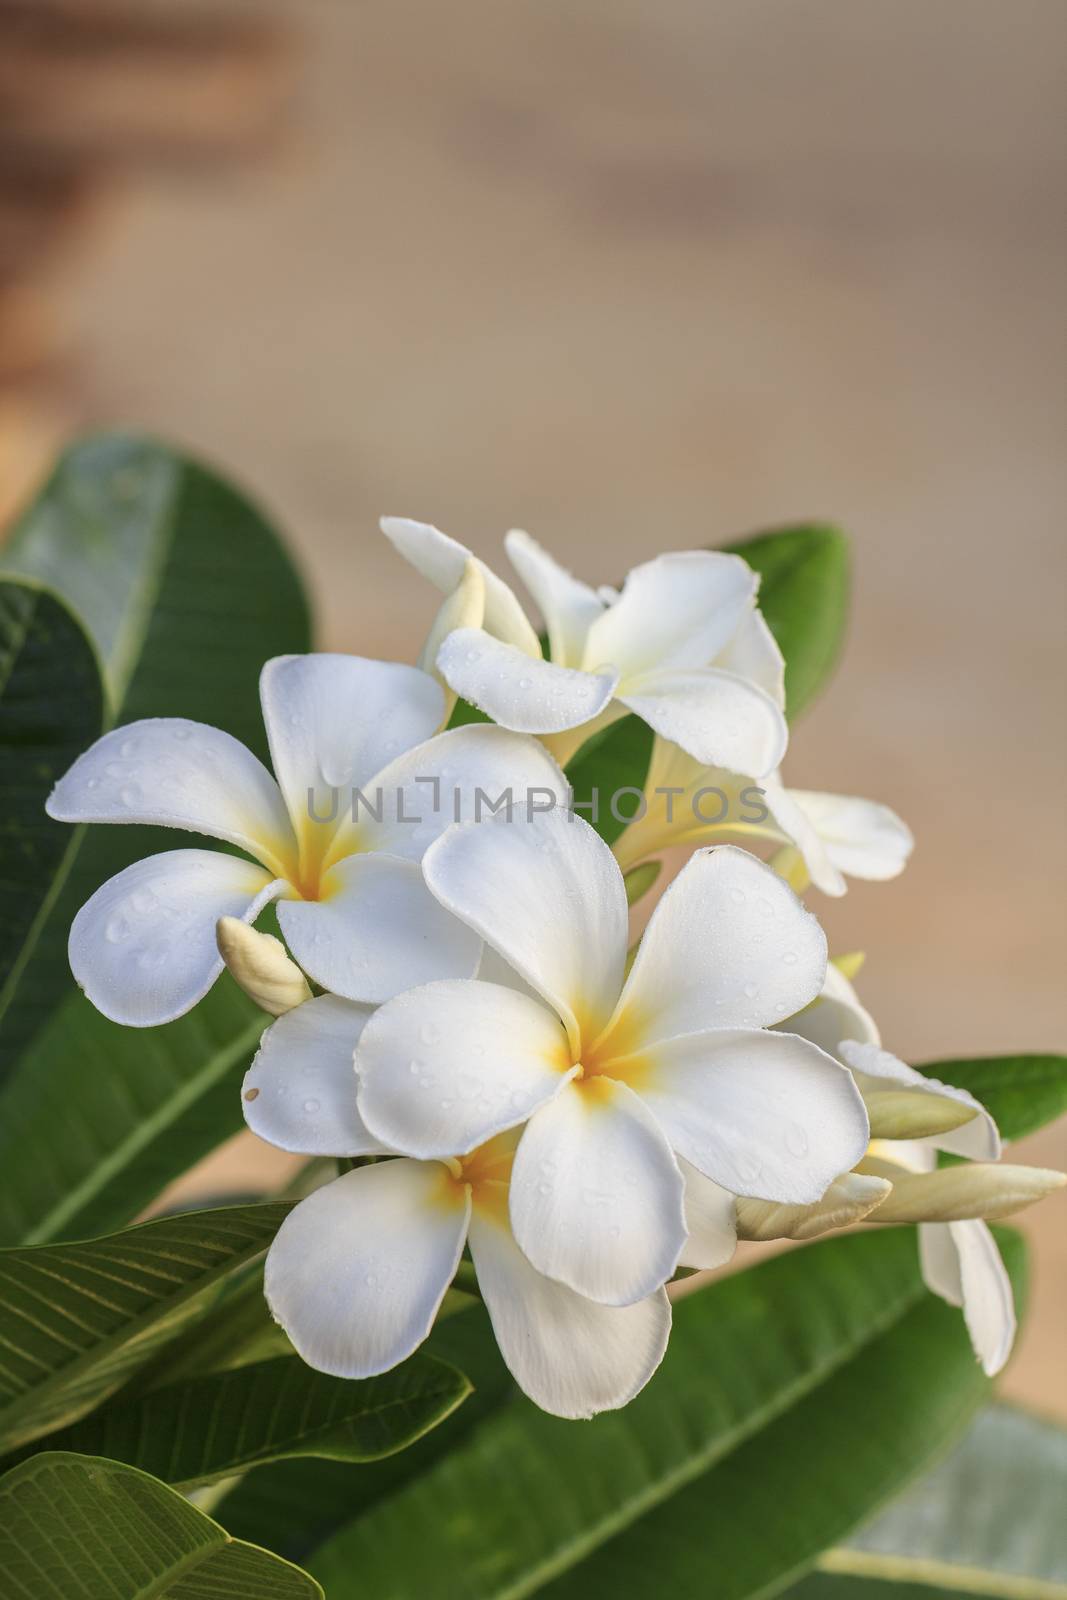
(261, 966)
(913, 1113)
(973, 1189)
(848, 1199)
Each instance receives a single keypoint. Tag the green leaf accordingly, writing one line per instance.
(804, 597)
(77, 1319)
(1021, 1093)
(987, 1520)
(294, 1506)
(794, 1398)
(211, 1427)
(184, 589)
(99, 1119)
(51, 707)
(79, 1528)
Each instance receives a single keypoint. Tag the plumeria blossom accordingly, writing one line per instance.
(352, 903)
(615, 1077)
(358, 1270)
(682, 646)
(958, 1254)
(823, 837)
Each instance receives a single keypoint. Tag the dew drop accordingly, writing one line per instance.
(790, 958)
(311, 1106)
(130, 796)
(182, 734)
(128, 747)
(751, 991)
(94, 783)
(116, 930)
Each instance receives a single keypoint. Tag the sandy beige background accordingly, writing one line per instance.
(639, 277)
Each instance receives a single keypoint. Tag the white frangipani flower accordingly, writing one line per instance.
(827, 836)
(614, 1077)
(358, 1270)
(353, 906)
(682, 646)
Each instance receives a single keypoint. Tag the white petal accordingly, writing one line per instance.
(677, 610)
(961, 1263)
(549, 897)
(377, 931)
(763, 1114)
(711, 1218)
(519, 693)
(463, 608)
(444, 1067)
(570, 1355)
(729, 945)
(800, 831)
(568, 606)
(143, 947)
(357, 1271)
(334, 721)
(849, 1199)
(300, 1091)
(178, 774)
(457, 777)
(861, 837)
(596, 1195)
(978, 1139)
(753, 653)
(718, 719)
(443, 561)
(835, 1016)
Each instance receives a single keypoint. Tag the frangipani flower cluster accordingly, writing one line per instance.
(460, 1022)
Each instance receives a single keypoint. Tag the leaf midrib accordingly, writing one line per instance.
(266, 1454)
(60, 1378)
(696, 1466)
(143, 1133)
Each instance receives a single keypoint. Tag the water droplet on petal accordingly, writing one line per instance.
(311, 1106)
(116, 930)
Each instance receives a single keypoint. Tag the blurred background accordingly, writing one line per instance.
(635, 277)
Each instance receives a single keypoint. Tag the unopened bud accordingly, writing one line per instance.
(973, 1189)
(261, 966)
(848, 1199)
(913, 1114)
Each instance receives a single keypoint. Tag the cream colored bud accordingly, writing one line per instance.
(988, 1190)
(849, 1199)
(463, 608)
(913, 1113)
(262, 966)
